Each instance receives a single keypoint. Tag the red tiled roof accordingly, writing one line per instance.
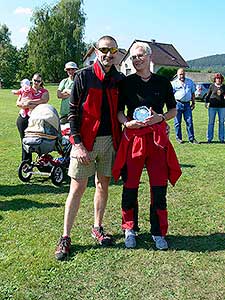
(163, 54)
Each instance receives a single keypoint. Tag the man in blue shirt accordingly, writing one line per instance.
(184, 93)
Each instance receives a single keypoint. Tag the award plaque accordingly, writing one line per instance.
(141, 113)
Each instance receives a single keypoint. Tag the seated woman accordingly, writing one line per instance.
(40, 95)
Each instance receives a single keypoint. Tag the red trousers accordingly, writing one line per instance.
(155, 161)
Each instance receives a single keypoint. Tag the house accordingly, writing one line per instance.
(163, 55)
(199, 77)
(90, 56)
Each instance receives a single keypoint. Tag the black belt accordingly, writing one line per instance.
(183, 102)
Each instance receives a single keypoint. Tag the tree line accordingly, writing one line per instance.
(55, 37)
(212, 63)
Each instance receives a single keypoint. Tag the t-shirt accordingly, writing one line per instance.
(34, 95)
(183, 91)
(216, 96)
(155, 93)
(65, 84)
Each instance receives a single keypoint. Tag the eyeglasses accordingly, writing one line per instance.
(71, 69)
(36, 80)
(105, 50)
(138, 56)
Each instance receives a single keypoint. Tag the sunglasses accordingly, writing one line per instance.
(36, 80)
(139, 56)
(105, 50)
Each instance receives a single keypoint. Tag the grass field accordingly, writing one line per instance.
(31, 220)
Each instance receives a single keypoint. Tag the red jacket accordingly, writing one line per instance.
(137, 138)
(86, 101)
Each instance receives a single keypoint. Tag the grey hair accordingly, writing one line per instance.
(144, 46)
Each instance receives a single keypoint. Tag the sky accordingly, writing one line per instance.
(196, 28)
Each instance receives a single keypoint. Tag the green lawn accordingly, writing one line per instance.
(31, 221)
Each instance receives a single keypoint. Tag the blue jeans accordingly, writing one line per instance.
(212, 115)
(184, 109)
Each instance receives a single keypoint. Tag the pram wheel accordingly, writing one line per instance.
(57, 175)
(24, 171)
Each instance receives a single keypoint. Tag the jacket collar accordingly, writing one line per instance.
(100, 73)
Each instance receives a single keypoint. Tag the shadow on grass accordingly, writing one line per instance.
(199, 243)
(187, 166)
(30, 189)
(22, 204)
(209, 243)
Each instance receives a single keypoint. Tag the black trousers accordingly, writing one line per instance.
(22, 124)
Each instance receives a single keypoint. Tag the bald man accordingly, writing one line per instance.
(184, 93)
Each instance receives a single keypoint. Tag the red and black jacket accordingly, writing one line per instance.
(86, 101)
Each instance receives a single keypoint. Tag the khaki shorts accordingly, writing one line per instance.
(102, 158)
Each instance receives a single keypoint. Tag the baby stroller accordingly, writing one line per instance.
(43, 136)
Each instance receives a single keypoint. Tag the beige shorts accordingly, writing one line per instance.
(102, 158)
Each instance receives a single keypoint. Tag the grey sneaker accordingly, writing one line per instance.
(160, 242)
(130, 238)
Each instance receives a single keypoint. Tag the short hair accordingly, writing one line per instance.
(105, 37)
(218, 75)
(142, 45)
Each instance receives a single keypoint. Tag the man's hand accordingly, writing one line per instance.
(193, 105)
(154, 118)
(134, 124)
(81, 154)
(207, 105)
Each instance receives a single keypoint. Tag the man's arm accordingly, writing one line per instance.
(61, 93)
(170, 114)
(78, 151)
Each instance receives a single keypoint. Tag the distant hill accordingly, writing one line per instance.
(213, 63)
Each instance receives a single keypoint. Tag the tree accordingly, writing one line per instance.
(8, 58)
(25, 69)
(167, 72)
(56, 37)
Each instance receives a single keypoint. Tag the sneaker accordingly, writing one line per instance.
(102, 238)
(160, 242)
(194, 141)
(179, 141)
(63, 248)
(130, 238)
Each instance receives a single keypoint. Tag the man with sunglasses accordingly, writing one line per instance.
(145, 142)
(64, 90)
(95, 136)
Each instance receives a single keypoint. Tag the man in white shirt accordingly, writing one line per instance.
(184, 93)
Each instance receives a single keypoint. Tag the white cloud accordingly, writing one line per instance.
(23, 10)
(24, 30)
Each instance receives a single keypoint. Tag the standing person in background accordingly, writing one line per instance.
(145, 143)
(39, 95)
(95, 135)
(184, 92)
(215, 102)
(64, 90)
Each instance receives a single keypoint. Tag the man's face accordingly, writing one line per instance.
(140, 60)
(70, 71)
(106, 59)
(181, 75)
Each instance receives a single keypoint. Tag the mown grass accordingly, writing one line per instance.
(31, 220)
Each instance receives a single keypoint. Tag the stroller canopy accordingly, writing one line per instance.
(41, 117)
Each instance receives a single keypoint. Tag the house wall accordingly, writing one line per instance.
(90, 59)
(127, 67)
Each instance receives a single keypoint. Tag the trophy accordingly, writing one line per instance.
(141, 113)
